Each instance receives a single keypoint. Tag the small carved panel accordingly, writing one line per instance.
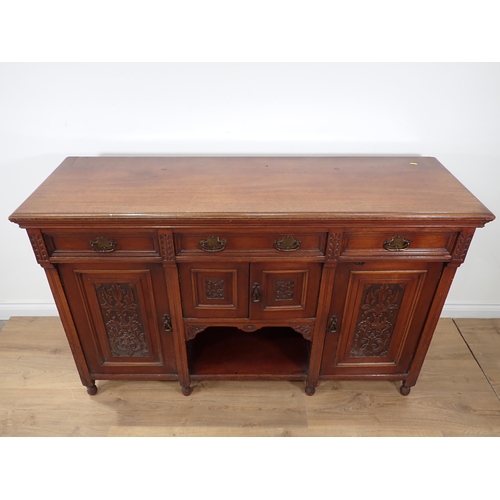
(214, 289)
(379, 310)
(284, 290)
(122, 319)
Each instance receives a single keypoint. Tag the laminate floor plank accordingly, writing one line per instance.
(483, 338)
(41, 395)
(218, 405)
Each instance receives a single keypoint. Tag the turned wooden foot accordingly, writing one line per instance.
(92, 390)
(310, 390)
(404, 390)
(187, 391)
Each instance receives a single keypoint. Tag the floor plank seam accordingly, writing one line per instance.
(475, 359)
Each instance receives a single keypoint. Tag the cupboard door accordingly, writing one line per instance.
(214, 290)
(121, 315)
(377, 313)
(284, 290)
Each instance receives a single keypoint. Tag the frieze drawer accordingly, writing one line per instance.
(276, 244)
(102, 242)
(398, 243)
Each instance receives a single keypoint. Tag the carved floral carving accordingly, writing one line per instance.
(249, 328)
(193, 330)
(214, 289)
(379, 309)
(305, 330)
(122, 320)
(284, 290)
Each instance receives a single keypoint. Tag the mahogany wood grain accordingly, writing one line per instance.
(72, 334)
(421, 243)
(415, 188)
(251, 243)
(174, 296)
(318, 341)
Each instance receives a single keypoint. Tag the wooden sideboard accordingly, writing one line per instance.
(292, 268)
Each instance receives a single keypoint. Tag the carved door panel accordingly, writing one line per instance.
(377, 314)
(122, 317)
(287, 290)
(214, 290)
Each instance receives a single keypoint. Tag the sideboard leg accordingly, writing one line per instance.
(310, 390)
(92, 389)
(404, 389)
(187, 391)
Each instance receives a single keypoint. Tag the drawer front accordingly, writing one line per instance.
(398, 243)
(279, 244)
(103, 243)
(282, 291)
(218, 290)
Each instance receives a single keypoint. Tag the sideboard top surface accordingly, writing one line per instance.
(96, 188)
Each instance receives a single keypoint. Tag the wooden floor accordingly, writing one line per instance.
(458, 394)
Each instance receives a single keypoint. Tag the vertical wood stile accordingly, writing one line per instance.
(174, 296)
(325, 294)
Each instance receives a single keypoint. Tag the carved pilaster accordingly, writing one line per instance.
(39, 248)
(462, 246)
(166, 246)
(333, 247)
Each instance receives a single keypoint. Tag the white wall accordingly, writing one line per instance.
(50, 111)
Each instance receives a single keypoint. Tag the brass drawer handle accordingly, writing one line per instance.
(167, 323)
(287, 244)
(103, 245)
(213, 244)
(256, 292)
(332, 326)
(397, 243)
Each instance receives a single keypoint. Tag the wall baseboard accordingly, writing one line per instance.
(449, 311)
(471, 311)
(8, 309)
